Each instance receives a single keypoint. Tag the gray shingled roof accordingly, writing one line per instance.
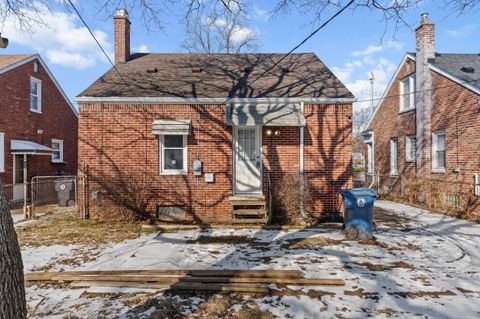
(452, 63)
(222, 75)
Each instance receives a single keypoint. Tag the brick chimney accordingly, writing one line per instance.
(122, 36)
(425, 52)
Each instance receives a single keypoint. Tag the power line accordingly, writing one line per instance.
(304, 40)
(420, 91)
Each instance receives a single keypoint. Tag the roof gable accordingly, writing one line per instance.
(14, 61)
(219, 76)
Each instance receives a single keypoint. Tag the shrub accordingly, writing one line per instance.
(287, 196)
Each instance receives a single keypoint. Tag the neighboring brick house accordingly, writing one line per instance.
(190, 135)
(38, 124)
(425, 129)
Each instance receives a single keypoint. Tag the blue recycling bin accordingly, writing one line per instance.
(358, 212)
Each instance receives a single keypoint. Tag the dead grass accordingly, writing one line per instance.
(313, 242)
(68, 228)
(420, 294)
(383, 267)
(221, 240)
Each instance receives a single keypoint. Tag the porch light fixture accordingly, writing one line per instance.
(270, 132)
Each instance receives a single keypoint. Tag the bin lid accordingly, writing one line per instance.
(358, 192)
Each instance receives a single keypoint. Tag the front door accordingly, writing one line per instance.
(18, 176)
(248, 160)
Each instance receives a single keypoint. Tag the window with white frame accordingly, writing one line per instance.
(393, 156)
(438, 151)
(57, 146)
(35, 95)
(173, 154)
(407, 93)
(2, 152)
(410, 145)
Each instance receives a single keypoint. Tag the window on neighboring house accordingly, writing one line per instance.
(2, 152)
(370, 159)
(394, 156)
(407, 93)
(35, 95)
(438, 151)
(57, 146)
(410, 146)
(173, 154)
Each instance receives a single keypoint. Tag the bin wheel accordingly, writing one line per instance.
(351, 233)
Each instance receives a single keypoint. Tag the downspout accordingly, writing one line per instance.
(301, 167)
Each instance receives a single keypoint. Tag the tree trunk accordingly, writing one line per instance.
(12, 288)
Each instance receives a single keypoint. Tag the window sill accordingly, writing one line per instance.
(439, 170)
(36, 111)
(409, 161)
(406, 110)
(58, 162)
(394, 175)
(173, 173)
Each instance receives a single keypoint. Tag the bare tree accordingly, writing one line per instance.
(153, 12)
(223, 33)
(12, 289)
(360, 120)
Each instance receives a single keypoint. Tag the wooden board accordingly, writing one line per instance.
(120, 284)
(221, 288)
(292, 281)
(257, 273)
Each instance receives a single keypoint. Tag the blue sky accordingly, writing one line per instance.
(353, 45)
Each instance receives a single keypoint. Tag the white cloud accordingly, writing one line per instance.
(371, 49)
(465, 31)
(142, 48)
(261, 14)
(62, 38)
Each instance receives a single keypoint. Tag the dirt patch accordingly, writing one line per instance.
(69, 229)
(313, 242)
(361, 293)
(383, 267)
(208, 307)
(465, 291)
(419, 294)
(221, 240)
(373, 242)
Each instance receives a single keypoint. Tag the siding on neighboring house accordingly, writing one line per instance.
(57, 121)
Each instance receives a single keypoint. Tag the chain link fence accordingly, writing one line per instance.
(47, 195)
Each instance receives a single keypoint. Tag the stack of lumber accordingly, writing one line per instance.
(225, 281)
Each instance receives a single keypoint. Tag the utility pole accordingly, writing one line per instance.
(372, 91)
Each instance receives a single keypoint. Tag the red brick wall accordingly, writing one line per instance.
(57, 121)
(116, 143)
(455, 110)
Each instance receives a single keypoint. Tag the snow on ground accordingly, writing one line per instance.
(422, 265)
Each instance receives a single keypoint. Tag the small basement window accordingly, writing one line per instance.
(174, 212)
(173, 154)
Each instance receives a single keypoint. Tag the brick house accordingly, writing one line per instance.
(38, 125)
(422, 140)
(192, 136)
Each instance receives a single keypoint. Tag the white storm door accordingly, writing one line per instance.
(248, 160)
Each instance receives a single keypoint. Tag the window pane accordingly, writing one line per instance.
(56, 155)
(441, 142)
(406, 91)
(173, 140)
(173, 159)
(33, 102)
(440, 159)
(33, 87)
